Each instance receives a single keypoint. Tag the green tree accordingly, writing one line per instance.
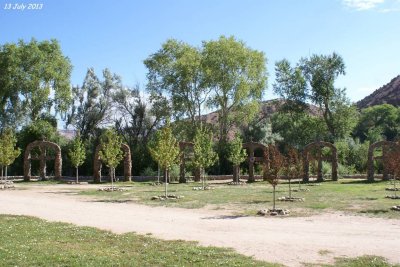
(236, 155)
(110, 151)
(292, 167)
(77, 154)
(34, 77)
(8, 151)
(92, 103)
(377, 123)
(204, 154)
(176, 71)
(313, 80)
(165, 150)
(237, 76)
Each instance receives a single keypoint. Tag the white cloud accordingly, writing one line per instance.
(362, 4)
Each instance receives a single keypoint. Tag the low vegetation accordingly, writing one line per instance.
(350, 196)
(28, 241)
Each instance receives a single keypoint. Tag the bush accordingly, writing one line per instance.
(148, 171)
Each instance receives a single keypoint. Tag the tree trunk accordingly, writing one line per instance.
(6, 172)
(274, 199)
(77, 175)
(166, 183)
(112, 178)
(203, 179)
(290, 189)
(158, 174)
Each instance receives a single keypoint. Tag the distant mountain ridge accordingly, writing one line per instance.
(387, 94)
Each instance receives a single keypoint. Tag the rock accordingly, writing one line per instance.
(273, 212)
(201, 188)
(236, 183)
(291, 199)
(396, 208)
(6, 185)
(111, 189)
(301, 190)
(165, 198)
(392, 189)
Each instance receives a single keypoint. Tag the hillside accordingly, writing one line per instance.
(387, 94)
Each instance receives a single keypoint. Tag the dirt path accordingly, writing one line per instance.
(290, 241)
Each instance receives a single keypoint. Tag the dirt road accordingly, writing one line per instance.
(291, 241)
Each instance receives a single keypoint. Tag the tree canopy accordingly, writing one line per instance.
(34, 77)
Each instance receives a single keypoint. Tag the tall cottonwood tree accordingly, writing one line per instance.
(237, 76)
(176, 70)
(92, 102)
(8, 151)
(313, 79)
(34, 78)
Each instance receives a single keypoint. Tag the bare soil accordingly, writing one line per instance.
(289, 240)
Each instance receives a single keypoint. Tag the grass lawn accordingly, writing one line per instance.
(28, 241)
(349, 196)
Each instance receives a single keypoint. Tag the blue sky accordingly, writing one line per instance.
(119, 35)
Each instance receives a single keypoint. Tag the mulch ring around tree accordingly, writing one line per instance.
(301, 190)
(393, 197)
(166, 198)
(201, 188)
(273, 212)
(81, 183)
(396, 208)
(111, 189)
(392, 189)
(236, 183)
(291, 199)
(6, 185)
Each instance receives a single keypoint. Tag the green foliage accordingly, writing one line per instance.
(176, 70)
(378, 123)
(260, 131)
(237, 76)
(77, 153)
(204, 154)
(298, 130)
(92, 102)
(164, 148)
(313, 80)
(236, 153)
(29, 72)
(8, 151)
(110, 151)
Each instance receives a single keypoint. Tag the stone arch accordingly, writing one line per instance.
(182, 165)
(370, 165)
(97, 164)
(43, 157)
(251, 147)
(319, 145)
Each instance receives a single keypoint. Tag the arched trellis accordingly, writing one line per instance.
(384, 145)
(42, 157)
(334, 160)
(97, 164)
(251, 159)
